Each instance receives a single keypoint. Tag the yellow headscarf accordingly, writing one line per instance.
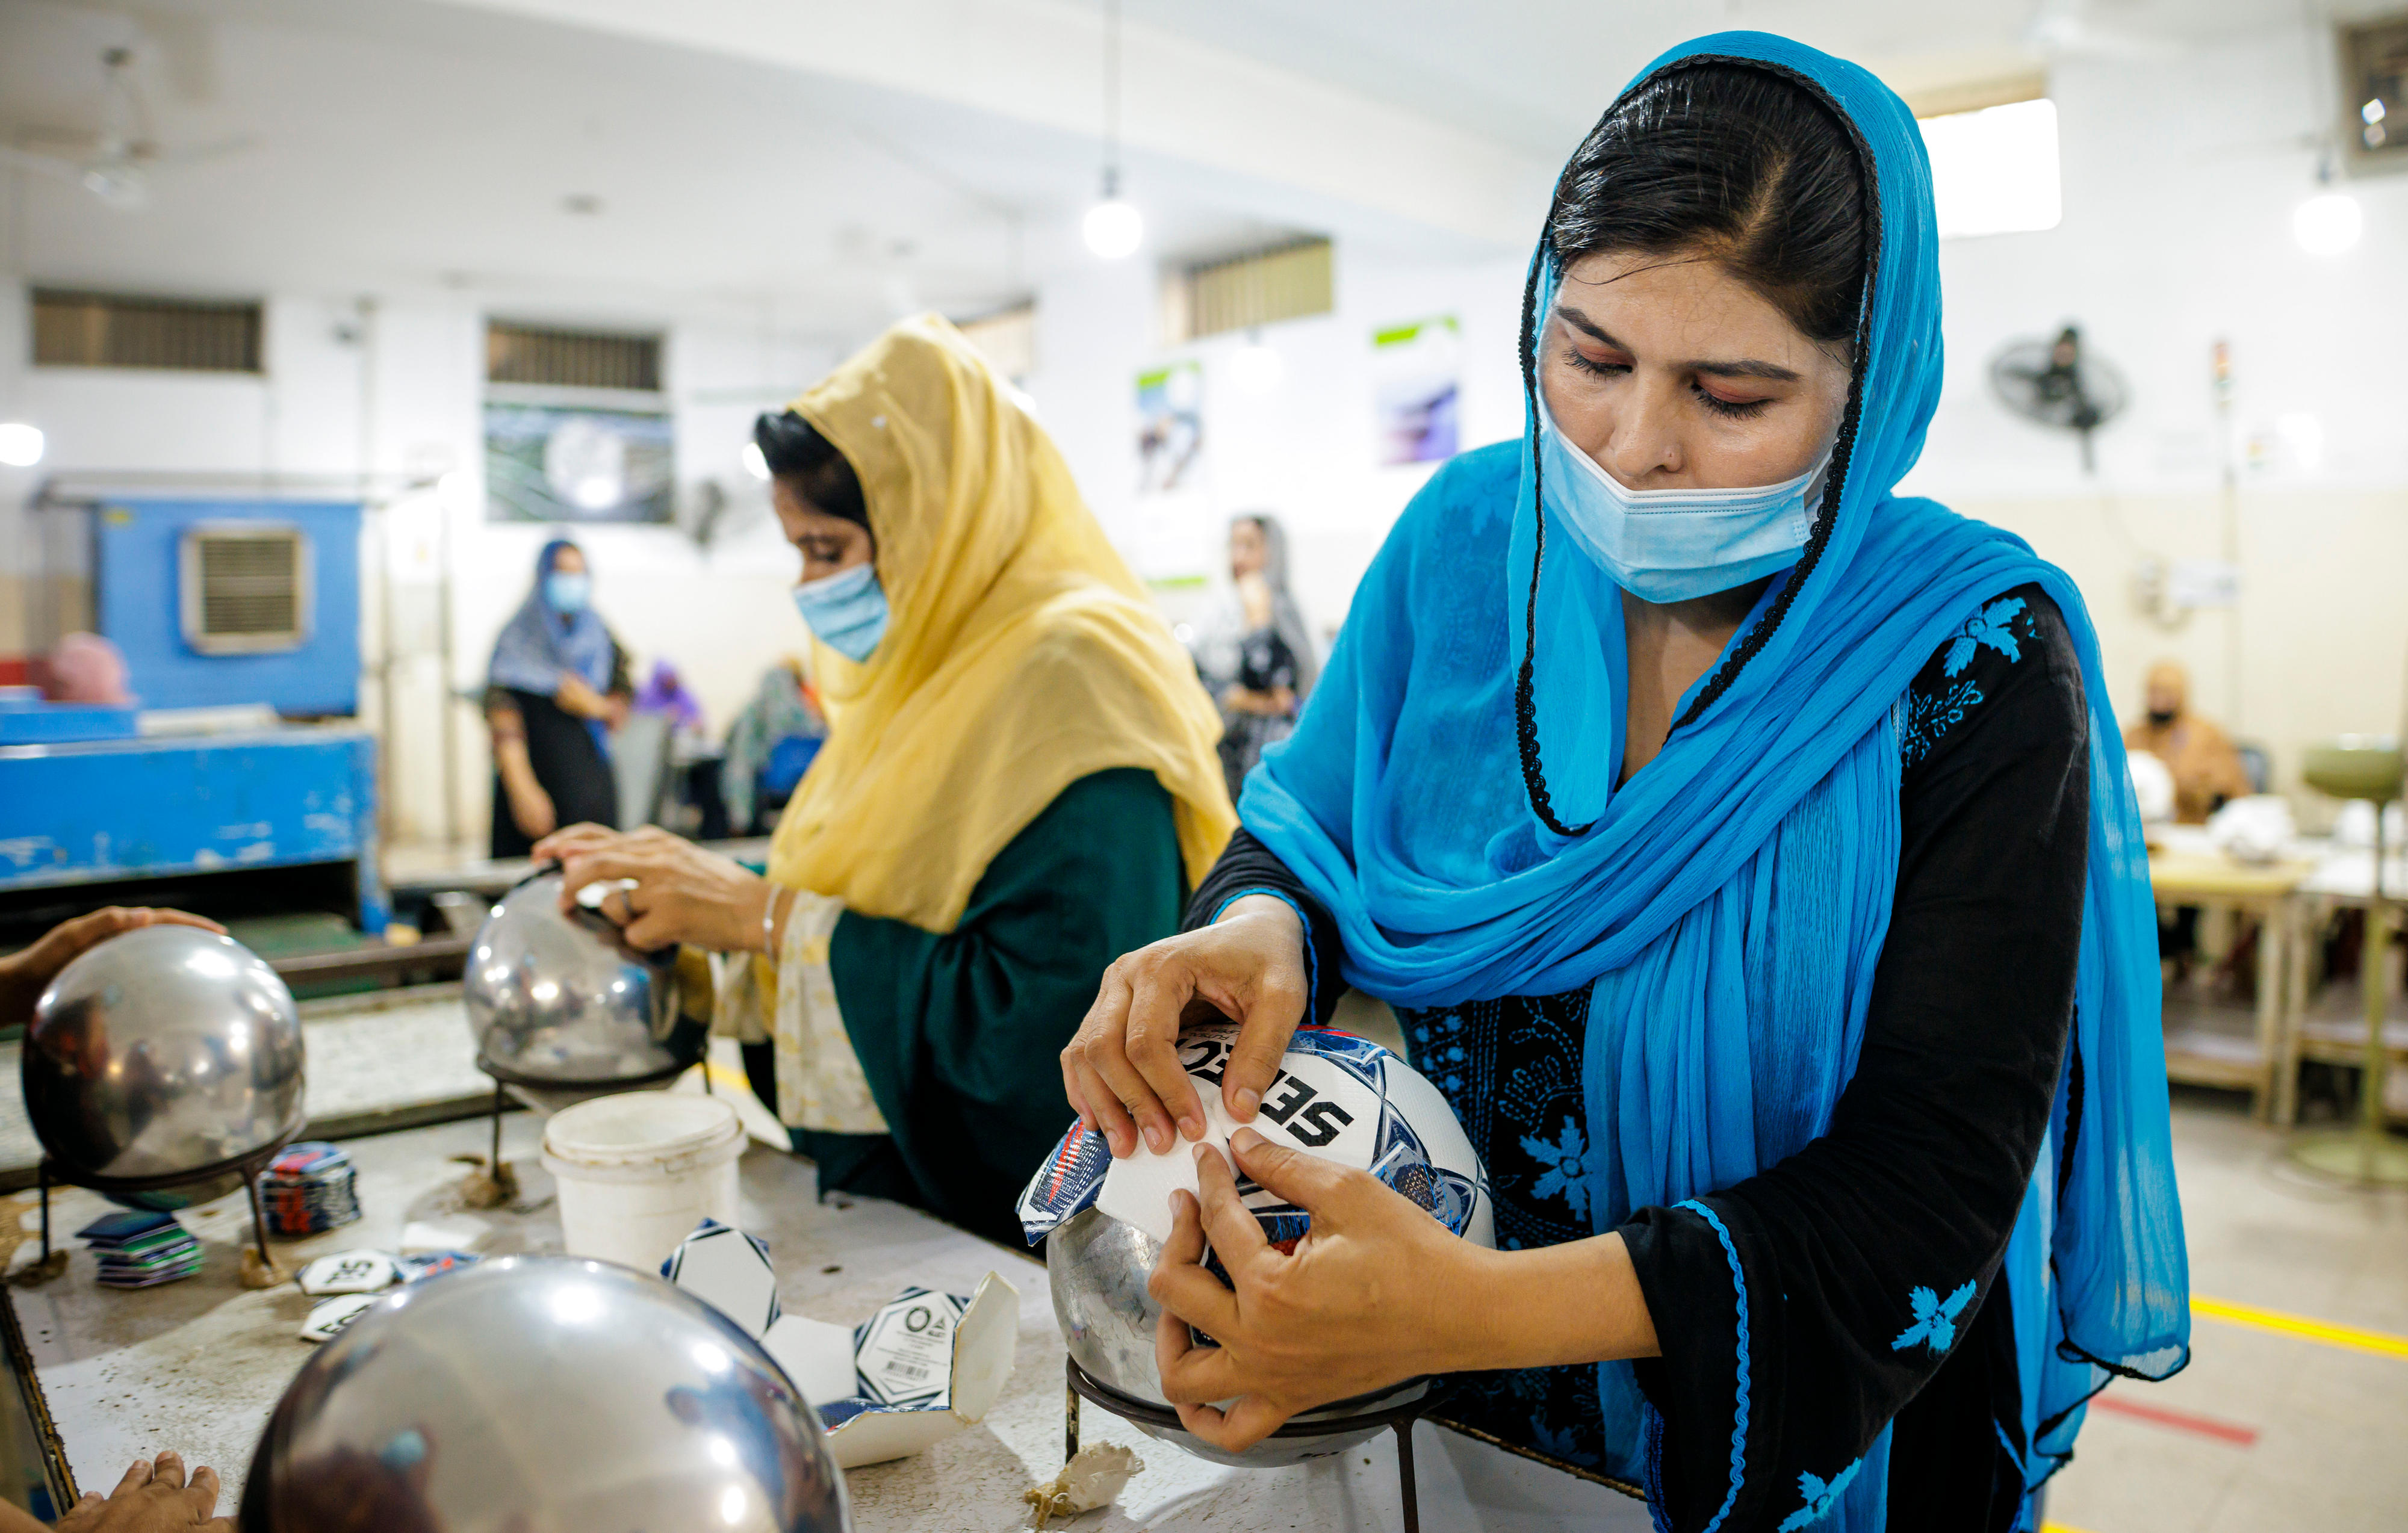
(1019, 654)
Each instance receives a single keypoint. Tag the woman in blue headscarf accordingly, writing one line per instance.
(557, 683)
(1749, 859)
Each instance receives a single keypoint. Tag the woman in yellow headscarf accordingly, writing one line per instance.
(1019, 784)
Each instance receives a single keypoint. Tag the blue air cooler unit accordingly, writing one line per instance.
(222, 601)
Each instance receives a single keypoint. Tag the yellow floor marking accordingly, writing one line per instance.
(2059, 1528)
(2382, 1343)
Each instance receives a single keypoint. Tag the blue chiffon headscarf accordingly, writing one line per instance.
(1730, 902)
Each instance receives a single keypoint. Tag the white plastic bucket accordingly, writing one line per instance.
(638, 1172)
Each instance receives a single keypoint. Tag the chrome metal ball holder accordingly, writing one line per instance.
(165, 1057)
(563, 1008)
(1158, 1419)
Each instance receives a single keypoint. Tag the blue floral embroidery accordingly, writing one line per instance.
(1567, 1173)
(1935, 1319)
(1558, 1445)
(1929, 717)
(1820, 1498)
(1990, 626)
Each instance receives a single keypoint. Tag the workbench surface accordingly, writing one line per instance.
(196, 1365)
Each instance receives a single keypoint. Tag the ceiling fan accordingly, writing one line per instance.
(116, 163)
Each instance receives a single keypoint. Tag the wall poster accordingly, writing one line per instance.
(1416, 382)
(577, 463)
(1170, 426)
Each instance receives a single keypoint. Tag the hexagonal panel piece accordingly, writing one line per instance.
(730, 1271)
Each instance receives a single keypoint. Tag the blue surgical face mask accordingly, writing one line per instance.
(846, 610)
(565, 591)
(1672, 545)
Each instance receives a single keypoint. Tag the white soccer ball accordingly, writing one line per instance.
(1335, 1096)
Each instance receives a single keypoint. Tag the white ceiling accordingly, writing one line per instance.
(786, 159)
(1537, 73)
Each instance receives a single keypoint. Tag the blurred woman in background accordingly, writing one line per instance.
(769, 747)
(2207, 770)
(1256, 653)
(1018, 784)
(557, 683)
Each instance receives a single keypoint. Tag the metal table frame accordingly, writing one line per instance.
(1398, 1418)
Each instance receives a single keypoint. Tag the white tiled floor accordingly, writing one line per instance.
(2331, 1450)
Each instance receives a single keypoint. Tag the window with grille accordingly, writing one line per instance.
(118, 330)
(571, 359)
(2374, 94)
(246, 588)
(1288, 283)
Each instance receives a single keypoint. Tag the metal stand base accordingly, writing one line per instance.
(1398, 1418)
(2367, 1158)
(50, 1173)
(2367, 1155)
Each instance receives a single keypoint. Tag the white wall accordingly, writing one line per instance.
(2180, 177)
(2180, 172)
(396, 391)
(1303, 449)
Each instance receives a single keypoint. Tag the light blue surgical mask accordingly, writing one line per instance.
(1672, 545)
(566, 590)
(846, 610)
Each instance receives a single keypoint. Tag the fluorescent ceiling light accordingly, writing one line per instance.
(1995, 171)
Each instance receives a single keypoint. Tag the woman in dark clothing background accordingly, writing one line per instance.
(557, 684)
(1255, 652)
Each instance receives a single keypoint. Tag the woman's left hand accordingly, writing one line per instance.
(576, 696)
(1377, 1292)
(682, 894)
(26, 974)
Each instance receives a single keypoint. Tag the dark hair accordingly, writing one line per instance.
(1741, 166)
(794, 449)
(1749, 167)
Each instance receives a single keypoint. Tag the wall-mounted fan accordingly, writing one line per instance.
(2059, 383)
(116, 161)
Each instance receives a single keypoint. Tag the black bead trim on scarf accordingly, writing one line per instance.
(1526, 705)
(1526, 701)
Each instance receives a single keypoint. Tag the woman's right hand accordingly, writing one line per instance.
(1122, 1071)
(532, 811)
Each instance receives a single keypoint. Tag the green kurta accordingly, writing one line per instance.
(960, 1033)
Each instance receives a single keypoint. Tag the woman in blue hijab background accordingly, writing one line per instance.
(1751, 861)
(557, 682)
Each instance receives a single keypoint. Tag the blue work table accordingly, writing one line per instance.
(109, 811)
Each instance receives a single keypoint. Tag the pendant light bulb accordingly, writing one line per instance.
(1113, 227)
(20, 444)
(2327, 224)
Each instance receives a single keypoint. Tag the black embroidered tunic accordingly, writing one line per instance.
(1849, 1286)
